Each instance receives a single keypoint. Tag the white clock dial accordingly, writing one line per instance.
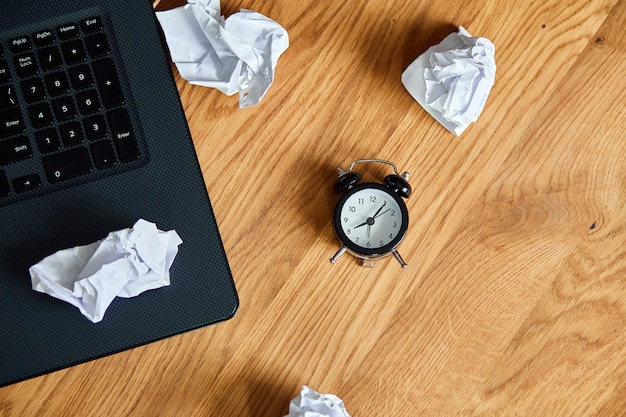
(371, 218)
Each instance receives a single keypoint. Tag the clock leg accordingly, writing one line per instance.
(367, 263)
(338, 254)
(399, 259)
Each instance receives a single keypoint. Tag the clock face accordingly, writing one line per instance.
(371, 219)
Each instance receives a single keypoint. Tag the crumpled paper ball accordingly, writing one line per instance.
(312, 404)
(453, 79)
(237, 54)
(123, 264)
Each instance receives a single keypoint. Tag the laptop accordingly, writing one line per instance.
(93, 137)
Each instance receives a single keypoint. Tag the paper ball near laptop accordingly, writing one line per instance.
(234, 54)
(124, 264)
(452, 79)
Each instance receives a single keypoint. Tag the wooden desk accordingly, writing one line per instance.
(514, 301)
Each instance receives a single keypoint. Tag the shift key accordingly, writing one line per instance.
(13, 150)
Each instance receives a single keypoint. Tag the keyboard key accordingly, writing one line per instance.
(81, 77)
(4, 185)
(5, 75)
(8, 99)
(123, 134)
(67, 31)
(88, 102)
(67, 164)
(14, 150)
(20, 44)
(95, 127)
(11, 123)
(26, 65)
(91, 24)
(43, 38)
(103, 154)
(33, 90)
(108, 83)
(57, 83)
(48, 140)
(97, 45)
(40, 115)
(71, 134)
(64, 109)
(50, 58)
(74, 52)
(27, 183)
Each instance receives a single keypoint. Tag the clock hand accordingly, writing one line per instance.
(368, 222)
(362, 224)
(380, 214)
(381, 207)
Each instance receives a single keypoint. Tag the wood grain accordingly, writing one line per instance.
(514, 300)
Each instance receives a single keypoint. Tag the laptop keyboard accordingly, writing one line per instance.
(64, 114)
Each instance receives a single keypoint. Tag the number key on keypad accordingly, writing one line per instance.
(88, 102)
(40, 115)
(64, 109)
(33, 90)
(71, 134)
(81, 77)
(67, 164)
(95, 127)
(57, 83)
(48, 140)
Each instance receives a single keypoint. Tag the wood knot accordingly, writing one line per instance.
(599, 40)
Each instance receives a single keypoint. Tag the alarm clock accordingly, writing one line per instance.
(371, 219)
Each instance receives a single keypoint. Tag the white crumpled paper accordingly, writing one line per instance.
(452, 80)
(312, 404)
(124, 264)
(237, 54)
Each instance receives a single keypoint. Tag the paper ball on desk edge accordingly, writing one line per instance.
(310, 403)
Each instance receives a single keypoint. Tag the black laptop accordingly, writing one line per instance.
(92, 138)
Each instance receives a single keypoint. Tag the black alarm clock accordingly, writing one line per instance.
(371, 219)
